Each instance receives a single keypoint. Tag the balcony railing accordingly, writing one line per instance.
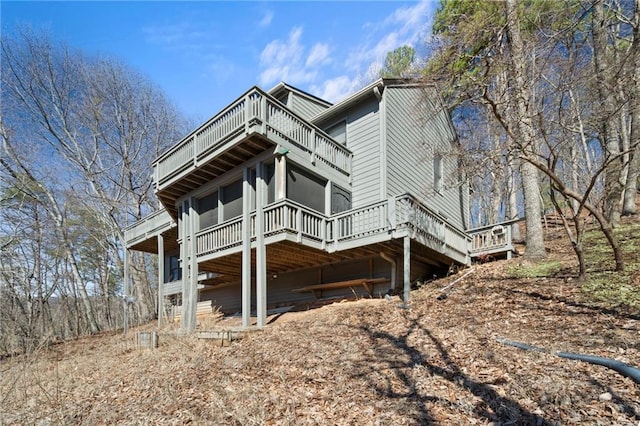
(256, 111)
(403, 212)
(330, 232)
(491, 239)
(149, 226)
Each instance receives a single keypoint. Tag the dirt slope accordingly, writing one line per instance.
(359, 362)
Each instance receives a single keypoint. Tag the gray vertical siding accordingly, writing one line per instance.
(417, 129)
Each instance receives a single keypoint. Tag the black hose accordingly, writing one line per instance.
(624, 369)
(520, 345)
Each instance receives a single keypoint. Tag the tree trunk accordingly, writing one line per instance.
(513, 200)
(609, 136)
(525, 132)
(629, 206)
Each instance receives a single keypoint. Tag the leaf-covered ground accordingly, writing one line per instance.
(358, 362)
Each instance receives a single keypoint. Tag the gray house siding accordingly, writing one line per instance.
(418, 131)
(304, 107)
(280, 288)
(363, 139)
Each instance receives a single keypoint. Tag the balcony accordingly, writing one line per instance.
(250, 125)
(491, 240)
(141, 234)
(375, 223)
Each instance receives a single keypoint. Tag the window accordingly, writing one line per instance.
(175, 272)
(305, 188)
(338, 132)
(208, 210)
(437, 172)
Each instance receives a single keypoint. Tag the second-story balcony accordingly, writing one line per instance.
(254, 123)
(377, 222)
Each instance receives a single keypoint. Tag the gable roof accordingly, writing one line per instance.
(284, 87)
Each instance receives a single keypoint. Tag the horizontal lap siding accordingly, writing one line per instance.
(363, 139)
(415, 131)
(306, 108)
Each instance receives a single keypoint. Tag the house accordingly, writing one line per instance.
(284, 197)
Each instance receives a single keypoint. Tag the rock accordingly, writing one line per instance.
(605, 397)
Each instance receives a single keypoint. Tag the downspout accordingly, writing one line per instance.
(394, 267)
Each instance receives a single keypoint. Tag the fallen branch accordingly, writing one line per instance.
(444, 295)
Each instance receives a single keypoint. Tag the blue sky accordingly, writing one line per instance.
(204, 54)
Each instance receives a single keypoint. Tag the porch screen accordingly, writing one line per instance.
(232, 200)
(269, 172)
(305, 188)
(340, 199)
(208, 210)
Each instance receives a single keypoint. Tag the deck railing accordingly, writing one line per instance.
(360, 222)
(289, 217)
(431, 225)
(491, 239)
(255, 111)
(402, 212)
(148, 226)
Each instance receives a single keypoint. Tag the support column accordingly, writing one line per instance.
(193, 267)
(160, 279)
(183, 234)
(281, 177)
(407, 269)
(125, 301)
(261, 256)
(246, 248)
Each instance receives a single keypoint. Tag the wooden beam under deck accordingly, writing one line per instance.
(287, 256)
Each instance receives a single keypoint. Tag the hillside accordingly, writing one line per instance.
(368, 361)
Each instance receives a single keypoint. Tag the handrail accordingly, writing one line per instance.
(490, 239)
(150, 225)
(253, 107)
(147, 218)
(379, 217)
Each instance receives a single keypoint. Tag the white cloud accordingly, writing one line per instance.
(319, 54)
(333, 73)
(336, 89)
(405, 26)
(283, 60)
(266, 19)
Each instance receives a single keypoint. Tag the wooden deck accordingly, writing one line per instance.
(254, 123)
(492, 240)
(369, 225)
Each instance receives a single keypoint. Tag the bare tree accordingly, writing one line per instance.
(97, 125)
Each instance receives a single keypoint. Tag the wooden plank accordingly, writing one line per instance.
(367, 283)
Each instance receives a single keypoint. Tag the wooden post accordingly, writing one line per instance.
(312, 142)
(246, 248)
(184, 258)
(160, 279)
(261, 257)
(281, 177)
(407, 269)
(193, 269)
(125, 325)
